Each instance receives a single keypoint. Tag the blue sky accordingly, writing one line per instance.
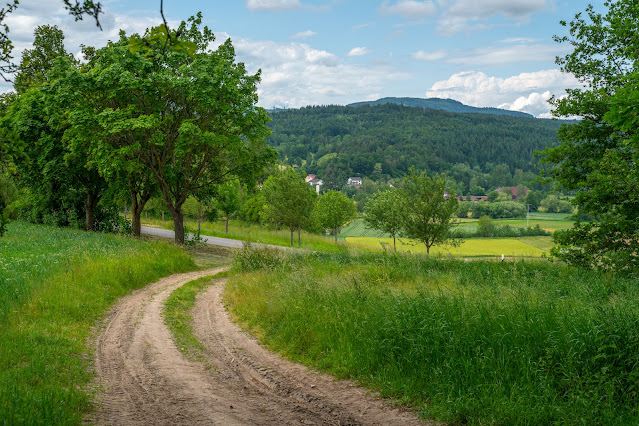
(497, 53)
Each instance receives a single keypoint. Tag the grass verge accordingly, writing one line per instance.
(177, 315)
(513, 343)
(57, 283)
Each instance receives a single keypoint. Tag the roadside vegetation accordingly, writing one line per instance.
(479, 342)
(55, 284)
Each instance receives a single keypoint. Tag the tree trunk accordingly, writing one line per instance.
(178, 224)
(394, 246)
(335, 231)
(162, 215)
(92, 202)
(427, 250)
(199, 221)
(125, 211)
(292, 234)
(226, 229)
(299, 238)
(137, 206)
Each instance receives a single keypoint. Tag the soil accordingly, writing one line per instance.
(144, 379)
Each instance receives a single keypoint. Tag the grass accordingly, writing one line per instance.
(177, 316)
(474, 247)
(55, 285)
(513, 343)
(253, 233)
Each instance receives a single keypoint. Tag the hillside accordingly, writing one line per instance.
(335, 142)
(442, 104)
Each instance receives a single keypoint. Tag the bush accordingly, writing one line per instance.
(252, 258)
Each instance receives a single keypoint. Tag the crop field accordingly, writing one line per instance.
(513, 343)
(510, 247)
(54, 285)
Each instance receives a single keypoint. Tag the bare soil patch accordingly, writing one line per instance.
(145, 379)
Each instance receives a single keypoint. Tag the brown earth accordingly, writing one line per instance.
(144, 379)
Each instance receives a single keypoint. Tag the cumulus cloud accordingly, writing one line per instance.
(409, 8)
(272, 4)
(526, 92)
(296, 75)
(359, 51)
(303, 35)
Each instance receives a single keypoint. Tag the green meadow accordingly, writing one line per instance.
(55, 284)
(513, 343)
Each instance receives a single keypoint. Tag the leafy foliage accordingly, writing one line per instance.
(598, 156)
(385, 211)
(333, 210)
(427, 214)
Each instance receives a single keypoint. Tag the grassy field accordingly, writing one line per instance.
(252, 232)
(474, 247)
(513, 343)
(55, 284)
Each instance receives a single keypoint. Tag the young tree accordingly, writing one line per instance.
(228, 200)
(384, 211)
(596, 157)
(288, 200)
(188, 116)
(334, 210)
(428, 215)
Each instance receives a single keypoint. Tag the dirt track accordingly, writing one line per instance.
(146, 380)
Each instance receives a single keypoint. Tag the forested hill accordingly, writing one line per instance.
(335, 142)
(443, 104)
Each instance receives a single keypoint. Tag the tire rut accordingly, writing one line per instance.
(144, 378)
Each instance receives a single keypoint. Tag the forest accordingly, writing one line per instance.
(335, 142)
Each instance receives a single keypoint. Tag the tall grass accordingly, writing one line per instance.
(478, 342)
(56, 283)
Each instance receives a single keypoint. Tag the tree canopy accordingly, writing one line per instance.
(597, 157)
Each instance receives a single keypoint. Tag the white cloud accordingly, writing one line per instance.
(359, 51)
(423, 55)
(409, 8)
(485, 8)
(527, 92)
(296, 75)
(509, 54)
(303, 35)
(272, 4)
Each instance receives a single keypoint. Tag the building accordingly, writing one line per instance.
(355, 181)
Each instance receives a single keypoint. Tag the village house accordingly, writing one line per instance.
(355, 181)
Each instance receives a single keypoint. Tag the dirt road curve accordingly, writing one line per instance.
(145, 379)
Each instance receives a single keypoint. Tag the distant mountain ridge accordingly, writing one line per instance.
(449, 105)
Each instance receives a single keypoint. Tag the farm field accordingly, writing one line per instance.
(54, 285)
(510, 247)
(517, 343)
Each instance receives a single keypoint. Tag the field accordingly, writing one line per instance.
(55, 284)
(526, 342)
(474, 247)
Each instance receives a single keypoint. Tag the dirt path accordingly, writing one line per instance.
(146, 380)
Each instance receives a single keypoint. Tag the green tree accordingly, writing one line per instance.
(597, 156)
(384, 212)
(3, 217)
(428, 215)
(288, 200)
(334, 210)
(228, 200)
(188, 117)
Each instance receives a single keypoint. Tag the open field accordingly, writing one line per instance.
(55, 284)
(509, 247)
(514, 343)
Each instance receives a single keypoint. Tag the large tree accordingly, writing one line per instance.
(597, 156)
(288, 200)
(187, 114)
(428, 213)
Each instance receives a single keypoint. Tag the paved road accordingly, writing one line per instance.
(214, 241)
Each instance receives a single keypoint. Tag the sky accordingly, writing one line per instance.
(484, 53)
